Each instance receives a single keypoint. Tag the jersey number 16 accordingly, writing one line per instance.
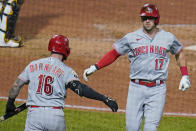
(45, 83)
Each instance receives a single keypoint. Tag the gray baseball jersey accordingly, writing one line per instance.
(47, 78)
(149, 57)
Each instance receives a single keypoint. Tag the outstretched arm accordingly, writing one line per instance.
(106, 60)
(84, 90)
(185, 82)
(13, 93)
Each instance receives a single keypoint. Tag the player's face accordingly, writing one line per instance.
(148, 23)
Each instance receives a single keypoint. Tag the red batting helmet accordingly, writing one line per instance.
(59, 44)
(150, 10)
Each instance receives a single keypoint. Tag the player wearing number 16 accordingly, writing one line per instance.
(148, 51)
(48, 80)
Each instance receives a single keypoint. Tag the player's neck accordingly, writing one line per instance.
(151, 33)
(58, 56)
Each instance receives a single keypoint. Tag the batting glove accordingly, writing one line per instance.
(111, 103)
(89, 71)
(184, 83)
(10, 105)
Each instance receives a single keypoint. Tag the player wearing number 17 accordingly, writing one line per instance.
(148, 51)
(48, 80)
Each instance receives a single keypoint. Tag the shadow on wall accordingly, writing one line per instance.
(36, 15)
(28, 27)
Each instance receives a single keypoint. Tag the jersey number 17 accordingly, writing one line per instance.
(159, 64)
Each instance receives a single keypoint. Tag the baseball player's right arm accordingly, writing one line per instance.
(106, 60)
(83, 90)
(13, 93)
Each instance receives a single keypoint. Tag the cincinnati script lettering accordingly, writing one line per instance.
(149, 49)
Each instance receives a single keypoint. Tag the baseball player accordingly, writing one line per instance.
(9, 11)
(48, 80)
(148, 51)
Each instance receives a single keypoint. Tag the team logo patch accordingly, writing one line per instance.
(75, 74)
(149, 10)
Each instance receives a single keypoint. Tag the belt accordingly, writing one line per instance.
(147, 83)
(53, 107)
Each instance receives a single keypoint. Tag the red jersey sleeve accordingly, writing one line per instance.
(107, 59)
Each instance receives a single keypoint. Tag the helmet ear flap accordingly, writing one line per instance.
(156, 21)
(68, 52)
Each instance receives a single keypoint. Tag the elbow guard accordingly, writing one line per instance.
(77, 87)
(84, 90)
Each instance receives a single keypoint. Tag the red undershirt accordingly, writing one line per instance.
(108, 58)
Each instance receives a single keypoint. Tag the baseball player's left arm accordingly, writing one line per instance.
(84, 90)
(185, 82)
(13, 93)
